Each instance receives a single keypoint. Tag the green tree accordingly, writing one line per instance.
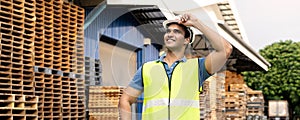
(282, 80)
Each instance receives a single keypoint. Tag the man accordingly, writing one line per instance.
(171, 84)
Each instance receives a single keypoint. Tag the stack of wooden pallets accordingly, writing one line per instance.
(233, 78)
(203, 100)
(93, 71)
(18, 107)
(235, 102)
(92, 75)
(255, 103)
(235, 96)
(58, 46)
(212, 98)
(243, 102)
(103, 102)
(229, 99)
(42, 57)
(220, 102)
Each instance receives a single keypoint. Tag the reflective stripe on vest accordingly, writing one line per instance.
(174, 99)
(173, 102)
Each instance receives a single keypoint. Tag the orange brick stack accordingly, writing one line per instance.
(42, 56)
(103, 102)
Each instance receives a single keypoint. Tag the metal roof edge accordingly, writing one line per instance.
(225, 27)
(203, 3)
(95, 13)
(237, 17)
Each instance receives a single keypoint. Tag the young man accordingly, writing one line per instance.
(171, 84)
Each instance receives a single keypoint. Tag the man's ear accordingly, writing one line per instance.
(186, 41)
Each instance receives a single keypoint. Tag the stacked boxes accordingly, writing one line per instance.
(42, 57)
(103, 102)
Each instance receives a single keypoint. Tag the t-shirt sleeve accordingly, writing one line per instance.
(137, 82)
(203, 74)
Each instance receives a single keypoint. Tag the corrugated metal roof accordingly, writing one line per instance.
(229, 17)
(150, 19)
(129, 24)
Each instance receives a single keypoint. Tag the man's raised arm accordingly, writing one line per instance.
(216, 59)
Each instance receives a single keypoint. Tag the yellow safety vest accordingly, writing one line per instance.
(174, 99)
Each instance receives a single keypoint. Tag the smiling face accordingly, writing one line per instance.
(174, 38)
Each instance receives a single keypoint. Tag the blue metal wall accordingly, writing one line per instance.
(151, 52)
(117, 24)
(124, 29)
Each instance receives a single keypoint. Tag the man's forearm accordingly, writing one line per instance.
(127, 99)
(125, 110)
(216, 59)
(216, 40)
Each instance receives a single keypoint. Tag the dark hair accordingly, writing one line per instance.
(187, 30)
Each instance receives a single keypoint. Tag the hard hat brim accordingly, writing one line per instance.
(167, 22)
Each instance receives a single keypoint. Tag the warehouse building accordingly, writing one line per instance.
(136, 26)
(71, 59)
(130, 33)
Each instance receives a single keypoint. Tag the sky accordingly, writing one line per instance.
(269, 21)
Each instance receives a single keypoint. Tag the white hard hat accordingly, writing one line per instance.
(188, 30)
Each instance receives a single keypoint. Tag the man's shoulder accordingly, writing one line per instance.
(196, 59)
(151, 64)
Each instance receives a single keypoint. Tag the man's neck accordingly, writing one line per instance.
(172, 56)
